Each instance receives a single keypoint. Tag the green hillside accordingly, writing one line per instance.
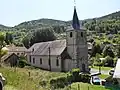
(105, 24)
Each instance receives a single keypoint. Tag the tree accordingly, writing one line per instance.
(41, 35)
(26, 41)
(96, 49)
(2, 38)
(8, 38)
(109, 61)
(108, 52)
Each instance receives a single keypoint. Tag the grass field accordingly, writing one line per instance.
(102, 68)
(85, 86)
(103, 76)
(18, 79)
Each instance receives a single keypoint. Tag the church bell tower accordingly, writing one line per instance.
(76, 40)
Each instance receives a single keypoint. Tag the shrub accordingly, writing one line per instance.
(22, 63)
(109, 61)
(59, 82)
(75, 75)
(85, 78)
(69, 77)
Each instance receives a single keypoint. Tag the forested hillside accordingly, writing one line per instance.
(106, 24)
(56, 28)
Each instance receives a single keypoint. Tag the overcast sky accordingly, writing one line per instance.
(13, 12)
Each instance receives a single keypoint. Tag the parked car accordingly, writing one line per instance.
(111, 72)
(96, 80)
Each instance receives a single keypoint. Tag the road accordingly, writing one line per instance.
(106, 72)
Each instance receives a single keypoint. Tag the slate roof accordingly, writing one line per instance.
(117, 70)
(56, 48)
(75, 21)
(7, 56)
(16, 49)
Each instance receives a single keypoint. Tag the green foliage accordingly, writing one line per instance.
(20, 79)
(26, 41)
(96, 49)
(41, 35)
(2, 38)
(58, 82)
(75, 75)
(108, 51)
(109, 61)
(22, 64)
(104, 25)
(8, 38)
(70, 77)
(84, 78)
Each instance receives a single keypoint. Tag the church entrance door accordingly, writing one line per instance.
(83, 67)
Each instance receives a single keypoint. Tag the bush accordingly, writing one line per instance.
(22, 64)
(109, 61)
(75, 75)
(85, 78)
(59, 82)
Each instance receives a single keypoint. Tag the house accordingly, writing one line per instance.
(17, 50)
(62, 55)
(10, 59)
(116, 74)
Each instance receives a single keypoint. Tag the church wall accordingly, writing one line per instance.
(69, 64)
(45, 62)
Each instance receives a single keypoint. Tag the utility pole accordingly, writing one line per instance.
(49, 59)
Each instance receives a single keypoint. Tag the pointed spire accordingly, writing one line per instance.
(75, 21)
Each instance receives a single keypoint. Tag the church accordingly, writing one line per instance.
(62, 55)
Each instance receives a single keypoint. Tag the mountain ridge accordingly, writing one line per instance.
(53, 22)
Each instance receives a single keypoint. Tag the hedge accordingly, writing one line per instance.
(73, 76)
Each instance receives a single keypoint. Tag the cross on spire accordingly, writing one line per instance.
(74, 3)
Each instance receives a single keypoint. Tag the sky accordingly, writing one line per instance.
(13, 12)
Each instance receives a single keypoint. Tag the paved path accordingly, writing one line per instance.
(106, 72)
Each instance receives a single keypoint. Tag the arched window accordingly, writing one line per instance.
(40, 60)
(33, 50)
(33, 60)
(70, 34)
(57, 62)
(81, 34)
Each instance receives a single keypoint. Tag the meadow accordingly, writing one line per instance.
(32, 79)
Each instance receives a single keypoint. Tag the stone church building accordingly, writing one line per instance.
(62, 55)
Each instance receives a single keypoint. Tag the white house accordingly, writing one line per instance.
(62, 55)
(117, 71)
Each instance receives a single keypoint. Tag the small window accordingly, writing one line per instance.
(81, 34)
(33, 60)
(17, 53)
(57, 62)
(70, 34)
(40, 60)
(30, 59)
(49, 61)
(33, 50)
